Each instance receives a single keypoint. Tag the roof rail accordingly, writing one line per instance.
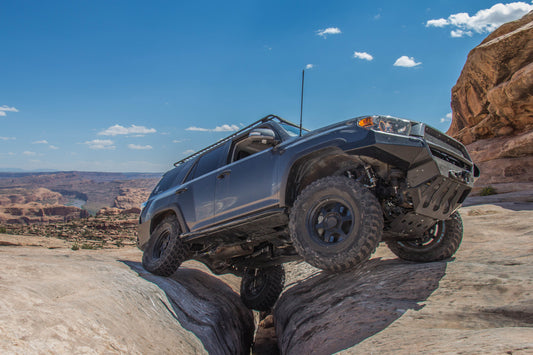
(224, 140)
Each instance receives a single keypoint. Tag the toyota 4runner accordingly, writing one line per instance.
(269, 194)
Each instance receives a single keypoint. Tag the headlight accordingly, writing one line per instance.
(386, 124)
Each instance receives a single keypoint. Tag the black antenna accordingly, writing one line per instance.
(302, 101)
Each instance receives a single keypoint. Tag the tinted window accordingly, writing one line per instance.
(209, 161)
(172, 178)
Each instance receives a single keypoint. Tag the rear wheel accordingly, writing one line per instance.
(260, 288)
(438, 243)
(336, 223)
(165, 250)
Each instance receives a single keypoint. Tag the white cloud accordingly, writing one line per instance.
(44, 141)
(53, 147)
(328, 31)
(226, 128)
(4, 109)
(121, 130)
(197, 129)
(139, 147)
(362, 55)
(460, 33)
(448, 118)
(188, 152)
(99, 144)
(28, 153)
(407, 62)
(486, 20)
(223, 128)
(441, 22)
(7, 138)
(309, 66)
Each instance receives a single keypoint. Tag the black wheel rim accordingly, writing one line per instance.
(430, 239)
(331, 221)
(161, 244)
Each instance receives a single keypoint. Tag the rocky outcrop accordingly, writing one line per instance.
(480, 301)
(131, 198)
(492, 105)
(493, 96)
(57, 300)
(73, 302)
(37, 213)
(504, 161)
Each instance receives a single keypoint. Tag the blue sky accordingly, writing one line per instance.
(135, 85)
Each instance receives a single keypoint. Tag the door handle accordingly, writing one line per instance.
(180, 191)
(223, 174)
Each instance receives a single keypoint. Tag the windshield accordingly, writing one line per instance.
(292, 131)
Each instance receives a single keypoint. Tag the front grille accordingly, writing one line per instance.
(444, 142)
(449, 158)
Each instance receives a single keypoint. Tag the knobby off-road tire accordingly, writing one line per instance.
(438, 243)
(336, 224)
(260, 288)
(165, 250)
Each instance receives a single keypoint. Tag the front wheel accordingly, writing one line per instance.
(438, 243)
(260, 288)
(336, 224)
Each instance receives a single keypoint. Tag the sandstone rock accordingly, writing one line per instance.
(131, 198)
(34, 212)
(494, 93)
(492, 105)
(73, 302)
(478, 302)
(108, 211)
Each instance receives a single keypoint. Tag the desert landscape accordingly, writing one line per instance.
(72, 279)
(59, 300)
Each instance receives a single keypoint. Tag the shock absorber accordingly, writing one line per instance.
(371, 177)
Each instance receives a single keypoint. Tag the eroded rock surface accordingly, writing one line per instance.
(62, 301)
(492, 105)
(494, 94)
(481, 302)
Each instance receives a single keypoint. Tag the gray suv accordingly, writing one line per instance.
(274, 192)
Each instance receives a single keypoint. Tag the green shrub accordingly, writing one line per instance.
(75, 246)
(3, 230)
(487, 191)
(87, 246)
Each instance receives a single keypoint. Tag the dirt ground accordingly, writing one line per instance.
(57, 300)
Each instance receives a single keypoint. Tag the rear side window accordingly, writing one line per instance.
(172, 178)
(209, 161)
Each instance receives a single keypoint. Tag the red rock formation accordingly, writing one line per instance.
(494, 95)
(131, 198)
(492, 104)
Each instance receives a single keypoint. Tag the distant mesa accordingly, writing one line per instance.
(43, 198)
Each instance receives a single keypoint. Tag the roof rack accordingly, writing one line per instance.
(224, 140)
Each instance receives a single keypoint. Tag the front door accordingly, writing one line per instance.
(246, 186)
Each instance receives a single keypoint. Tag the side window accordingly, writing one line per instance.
(184, 169)
(257, 140)
(172, 178)
(209, 161)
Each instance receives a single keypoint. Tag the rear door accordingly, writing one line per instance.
(199, 190)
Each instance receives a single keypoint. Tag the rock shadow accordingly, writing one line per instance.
(206, 306)
(328, 313)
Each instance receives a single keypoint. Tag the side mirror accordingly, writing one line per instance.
(263, 136)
